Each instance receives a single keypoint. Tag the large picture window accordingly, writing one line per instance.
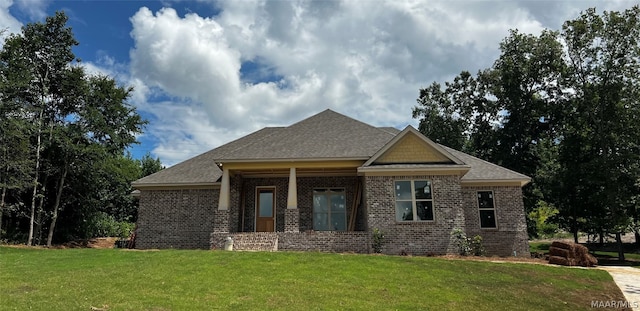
(487, 209)
(329, 210)
(414, 200)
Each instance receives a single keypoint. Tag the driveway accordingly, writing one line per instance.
(628, 279)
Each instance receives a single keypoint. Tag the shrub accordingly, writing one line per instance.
(467, 246)
(105, 225)
(378, 240)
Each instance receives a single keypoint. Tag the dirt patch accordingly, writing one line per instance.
(108, 242)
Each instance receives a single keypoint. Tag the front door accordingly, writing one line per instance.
(265, 210)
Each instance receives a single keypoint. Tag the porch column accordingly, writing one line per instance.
(292, 197)
(223, 202)
(292, 213)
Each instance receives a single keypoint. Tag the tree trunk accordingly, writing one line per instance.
(620, 246)
(56, 205)
(637, 234)
(4, 195)
(35, 179)
(575, 234)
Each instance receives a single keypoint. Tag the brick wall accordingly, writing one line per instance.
(511, 232)
(176, 218)
(417, 238)
(323, 241)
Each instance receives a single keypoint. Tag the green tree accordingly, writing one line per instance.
(600, 147)
(561, 107)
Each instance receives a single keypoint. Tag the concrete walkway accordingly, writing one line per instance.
(628, 279)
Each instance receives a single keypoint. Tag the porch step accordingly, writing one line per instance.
(255, 241)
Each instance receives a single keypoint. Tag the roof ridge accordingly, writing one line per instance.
(328, 110)
(250, 142)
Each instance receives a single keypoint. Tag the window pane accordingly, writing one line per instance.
(266, 203)
(424, 209)
(404, 211)
(320, 221)
(485, 199)
(487, 219)
(403, 190)
(337, 203)
(423, 189)
(320, 204)
(338, 221)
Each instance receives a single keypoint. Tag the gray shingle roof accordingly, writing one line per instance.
(322, 136)
(483, 170)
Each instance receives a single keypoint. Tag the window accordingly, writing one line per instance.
(329, 210)
(414, 200)
(487, 209)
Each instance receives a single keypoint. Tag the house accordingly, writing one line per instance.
(325, 183)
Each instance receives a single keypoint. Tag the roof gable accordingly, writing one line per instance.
(411, 147)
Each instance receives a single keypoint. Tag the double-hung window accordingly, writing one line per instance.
(414, 200)
(487, 209)
(329, 210)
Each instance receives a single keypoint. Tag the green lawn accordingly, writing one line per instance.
(78, 279)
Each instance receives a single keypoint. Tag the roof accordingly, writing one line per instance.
(327, 135)
(482, 170)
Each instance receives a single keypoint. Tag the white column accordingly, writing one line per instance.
(223, 203)
(292, 197)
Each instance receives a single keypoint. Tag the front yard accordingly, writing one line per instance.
(112, 279)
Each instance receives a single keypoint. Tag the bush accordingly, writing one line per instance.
(378, 240)
(468, 246)
(105, 225)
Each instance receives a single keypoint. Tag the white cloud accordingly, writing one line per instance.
(365, 59)
(35, 9)
(8, 23)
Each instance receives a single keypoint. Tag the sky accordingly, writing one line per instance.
(205, 73)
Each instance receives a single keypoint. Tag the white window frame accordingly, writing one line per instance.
(493, 209)
(413, 200)
(330, 190)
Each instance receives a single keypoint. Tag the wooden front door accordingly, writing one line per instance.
(265, 210)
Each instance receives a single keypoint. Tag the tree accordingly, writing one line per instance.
(75, 120)
(561, 107)
(600, 147)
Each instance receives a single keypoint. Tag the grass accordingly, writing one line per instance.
(78, 279)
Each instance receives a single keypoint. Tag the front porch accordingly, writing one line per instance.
(306, 208)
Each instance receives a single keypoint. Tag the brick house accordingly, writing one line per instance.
(325, 183)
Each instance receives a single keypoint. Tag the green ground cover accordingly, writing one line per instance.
(78, 279)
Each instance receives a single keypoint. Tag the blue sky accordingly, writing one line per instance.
(208, 72)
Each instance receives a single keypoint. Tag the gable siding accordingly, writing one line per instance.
(412, 149)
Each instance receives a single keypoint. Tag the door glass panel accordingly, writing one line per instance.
(320, 204)
(337, 203)
(266, 203)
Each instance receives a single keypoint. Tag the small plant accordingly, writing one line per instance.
(476, 246)
(378, 240)
(467, 246)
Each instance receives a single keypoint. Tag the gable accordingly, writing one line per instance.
(412, 149)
